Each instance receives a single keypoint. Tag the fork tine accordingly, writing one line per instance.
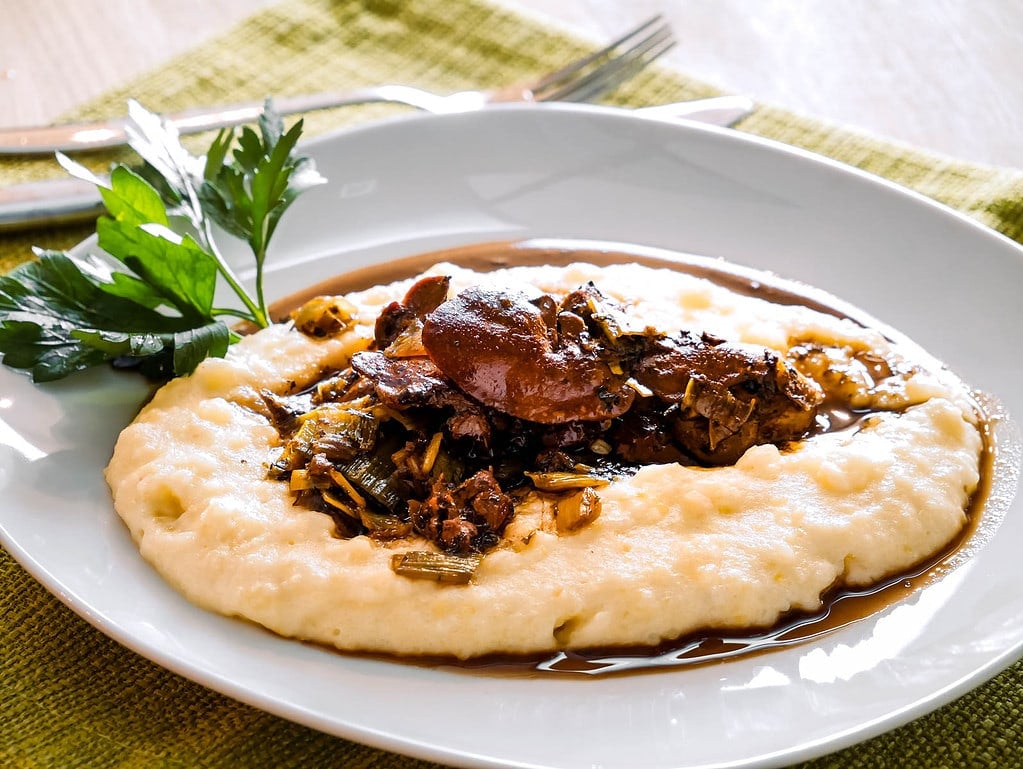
(605, 80)
(568, 72)
(609, 74)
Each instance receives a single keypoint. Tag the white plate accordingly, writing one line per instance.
(420, 183)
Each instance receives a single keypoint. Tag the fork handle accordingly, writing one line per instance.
(111, 132)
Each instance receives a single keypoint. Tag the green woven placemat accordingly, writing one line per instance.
(70, 697)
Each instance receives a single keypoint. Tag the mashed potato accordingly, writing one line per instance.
(675, 549)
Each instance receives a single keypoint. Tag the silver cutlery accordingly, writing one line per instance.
(582, 80)
(69, 200)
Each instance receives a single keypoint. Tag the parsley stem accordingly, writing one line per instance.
(260, 257)
(257, 312)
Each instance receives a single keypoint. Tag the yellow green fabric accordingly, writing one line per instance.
(70, 697)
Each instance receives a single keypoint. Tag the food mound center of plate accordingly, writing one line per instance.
(543, 458)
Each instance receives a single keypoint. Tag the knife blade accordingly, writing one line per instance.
(69, 200)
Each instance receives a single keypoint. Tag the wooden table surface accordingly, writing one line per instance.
(945, 75)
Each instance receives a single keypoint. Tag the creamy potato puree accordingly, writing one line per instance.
(674, 550)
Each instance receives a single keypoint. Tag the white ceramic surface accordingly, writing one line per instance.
(425, 182)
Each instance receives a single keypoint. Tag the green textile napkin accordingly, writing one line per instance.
(72, 697)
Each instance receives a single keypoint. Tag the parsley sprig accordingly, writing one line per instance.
(153, 308)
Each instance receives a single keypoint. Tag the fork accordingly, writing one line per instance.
(582, 80)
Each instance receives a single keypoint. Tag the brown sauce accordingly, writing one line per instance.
(840, 608)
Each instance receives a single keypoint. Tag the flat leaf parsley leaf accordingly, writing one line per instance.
(154, 308)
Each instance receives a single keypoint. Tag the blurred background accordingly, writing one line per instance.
(944, 75)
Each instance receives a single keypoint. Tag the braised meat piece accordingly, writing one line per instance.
(646, 438)
(405, 317)
(466, 517)
(523, 359)
(404, 383)
(729, 397)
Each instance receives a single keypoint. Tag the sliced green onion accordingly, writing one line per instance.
(441, 567)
